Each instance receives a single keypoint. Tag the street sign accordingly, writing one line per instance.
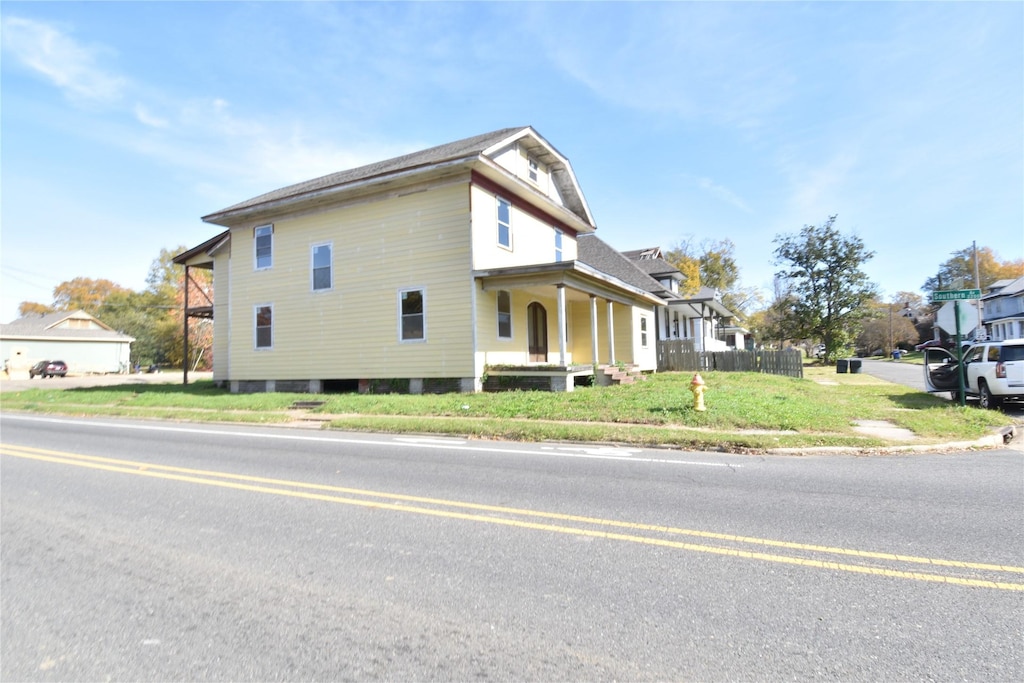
(946, 317)
(956, 294)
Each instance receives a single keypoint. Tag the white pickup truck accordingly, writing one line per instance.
(993, 371)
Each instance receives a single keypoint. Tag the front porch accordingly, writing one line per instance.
(536, 377)
(557, 377)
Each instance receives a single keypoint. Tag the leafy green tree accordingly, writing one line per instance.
(822, 269)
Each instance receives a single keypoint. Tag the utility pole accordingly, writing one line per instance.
(891, 348)
(977, 285)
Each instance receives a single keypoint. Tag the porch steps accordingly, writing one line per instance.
(608, 375)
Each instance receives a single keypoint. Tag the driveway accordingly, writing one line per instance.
(912, 375)
(81, 381)
(907, 374)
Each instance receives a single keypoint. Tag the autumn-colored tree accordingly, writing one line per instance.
(32, 308)
(154, 316)
(958, 271)
(712, 264)
(84, 293)
(884, 328)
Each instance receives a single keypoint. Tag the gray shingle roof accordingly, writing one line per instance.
(43, 325)
(597, 254)
(449, 151)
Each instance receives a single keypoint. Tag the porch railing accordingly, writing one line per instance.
(679, 355)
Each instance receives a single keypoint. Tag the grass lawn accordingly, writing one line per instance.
(745, 411)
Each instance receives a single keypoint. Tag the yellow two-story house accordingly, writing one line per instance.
(427, 272)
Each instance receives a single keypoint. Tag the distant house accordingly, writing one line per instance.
(700, 317)
(1003, 309)
(428, 272)
(86, 344)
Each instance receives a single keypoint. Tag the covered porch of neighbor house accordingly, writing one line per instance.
(702, 318)
(561, 321)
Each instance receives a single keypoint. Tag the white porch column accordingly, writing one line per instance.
(561, 325)
(593, 330)
(611, 335)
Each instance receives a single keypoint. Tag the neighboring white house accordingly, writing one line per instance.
(1003, 309)
(701, 317)
(75, 337)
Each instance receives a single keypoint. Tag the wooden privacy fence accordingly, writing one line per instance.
(679, 355)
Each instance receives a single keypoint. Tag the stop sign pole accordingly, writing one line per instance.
(956, 296)
(959, 355)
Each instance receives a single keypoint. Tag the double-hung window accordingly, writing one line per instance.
(504, 314)
(264, 326)
(643, 332)
(412, 324)
(558, 246)
(504, 223)
(533, 171)
(264, 240)
(322, 265)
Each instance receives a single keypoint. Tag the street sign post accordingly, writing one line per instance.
(956, 295)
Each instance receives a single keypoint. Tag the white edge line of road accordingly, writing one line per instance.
(584, 452)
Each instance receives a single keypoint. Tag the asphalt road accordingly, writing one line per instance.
(154, 551)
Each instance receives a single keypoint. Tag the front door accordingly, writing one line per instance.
(537, 332)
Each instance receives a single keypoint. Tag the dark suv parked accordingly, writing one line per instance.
(48, 368)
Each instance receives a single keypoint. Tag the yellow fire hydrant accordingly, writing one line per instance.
(697, 387)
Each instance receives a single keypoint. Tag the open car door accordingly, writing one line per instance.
(941, 370)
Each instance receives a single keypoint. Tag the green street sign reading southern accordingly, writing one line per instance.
(956, 294)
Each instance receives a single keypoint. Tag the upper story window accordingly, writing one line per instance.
(322, 266)
(558, 245)
(412, 323)
(504, 223)
(533, 170)
(264, 239)
(504, 314)
(264, 326)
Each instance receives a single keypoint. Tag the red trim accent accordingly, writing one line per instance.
(489, 185)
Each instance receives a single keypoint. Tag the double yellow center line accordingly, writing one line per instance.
(954, 572)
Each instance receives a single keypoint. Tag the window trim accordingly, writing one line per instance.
(423, 315)
(498, 313)
(256, 327)
(498, 224)
(313, 269)
(255, 246)
(532, 170)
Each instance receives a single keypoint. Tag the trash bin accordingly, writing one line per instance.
(897, 354)
(854, 365)
(842, 365)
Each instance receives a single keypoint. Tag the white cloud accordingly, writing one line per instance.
(145, 117)
(724, 194)
(67, 64)
(199, 135)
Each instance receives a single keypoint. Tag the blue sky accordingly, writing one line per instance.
(123, 123)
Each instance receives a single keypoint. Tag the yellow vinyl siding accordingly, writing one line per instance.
(221, 315)
(352, 330)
